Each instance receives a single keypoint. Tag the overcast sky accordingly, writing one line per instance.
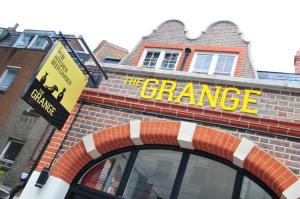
(272, 27)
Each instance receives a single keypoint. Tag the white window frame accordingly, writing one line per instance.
(160, 59)
(35, 35)
(34, 40)
(17, 44)
(10, 140)
(213, 64)
(16, 68)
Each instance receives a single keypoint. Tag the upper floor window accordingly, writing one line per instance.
(224, 64)
(111, 60)
(7, 77)
(169, 61)
(211, 63)
(151, 59)
(10, 152)
(33, 40)
(203, 62)
(160, 59)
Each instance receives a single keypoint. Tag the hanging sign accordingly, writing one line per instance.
(56, 87)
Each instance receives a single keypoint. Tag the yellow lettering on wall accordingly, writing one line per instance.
(139, 82)
(126, 80)
(206, 92)
(164, 89)
(235, 100)
(247, 100)
(188, 91)
(152, 89)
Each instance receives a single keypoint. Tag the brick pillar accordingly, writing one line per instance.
(297, 62)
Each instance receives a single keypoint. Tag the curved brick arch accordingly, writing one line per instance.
(183, 134)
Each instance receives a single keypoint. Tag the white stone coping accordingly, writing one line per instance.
(89, 144)
(186, 134)
(55, 188)
(292, 192)
(242, 151)
(135, 134)
(217, 79)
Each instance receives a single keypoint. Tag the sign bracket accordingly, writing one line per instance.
(65, 39)
(77, 57)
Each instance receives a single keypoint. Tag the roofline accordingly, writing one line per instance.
(278, 72)
(216, 79)
(103, 42)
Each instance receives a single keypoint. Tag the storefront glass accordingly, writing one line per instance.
(157, 173)
(251, 190)
(106, 175)
(153, 174)
(207, 179)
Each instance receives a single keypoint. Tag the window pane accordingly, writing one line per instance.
(13, 150)
(252, 190)
(169, 61)
(207, 179)
(153, 174)
(40, 43)
(228, 64)
(152, 63)
(106, 175)
(24, 40)
(156, 55)
(203, 62)
(167, 56)
(112, 60)
(149, 55)
(151, 59)
(224, 64)
(7, 78)
(220, 63)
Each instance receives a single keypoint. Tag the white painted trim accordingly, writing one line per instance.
(242, 151)
(4, 75)
(13, 67)
(292, 192)
(186, 134)
(89, 145)
(55, 188)
(162, 52)
(135, 134)
(213, 64)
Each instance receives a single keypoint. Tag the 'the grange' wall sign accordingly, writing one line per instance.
(153, 88)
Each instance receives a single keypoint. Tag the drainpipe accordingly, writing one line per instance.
(187, 51)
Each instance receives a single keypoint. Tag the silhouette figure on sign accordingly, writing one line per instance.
(51, 89)
(43, 79)
(61, 95)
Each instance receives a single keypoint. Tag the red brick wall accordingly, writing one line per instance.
(28, 60)
(272, 103)
(106, 49)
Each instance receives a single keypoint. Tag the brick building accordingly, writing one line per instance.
(179, 118)
(107, 52)
(23, 132)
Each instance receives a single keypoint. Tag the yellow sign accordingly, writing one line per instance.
(55, 89)
(61, 75)
(153, 88)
